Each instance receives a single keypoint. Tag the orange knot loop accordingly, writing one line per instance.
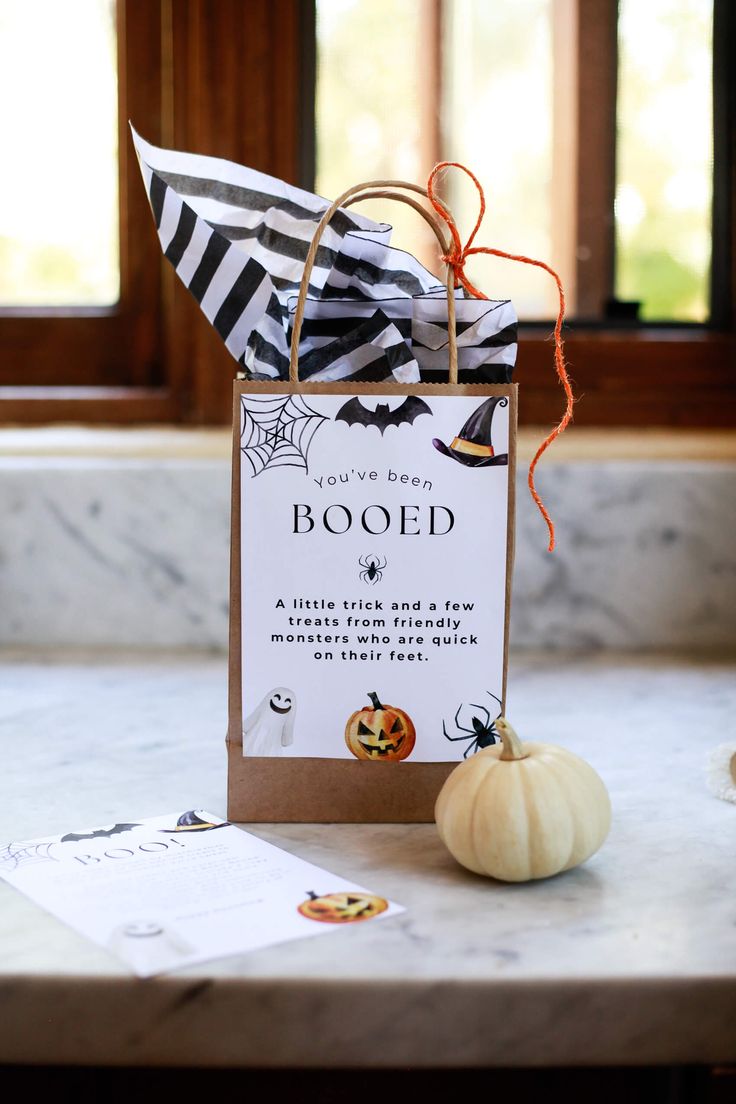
(456, 258)
(457, 262)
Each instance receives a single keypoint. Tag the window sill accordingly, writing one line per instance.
(579, 444)
(121, 537)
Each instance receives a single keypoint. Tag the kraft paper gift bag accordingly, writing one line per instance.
(372, 497)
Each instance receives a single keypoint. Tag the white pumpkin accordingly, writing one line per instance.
(521, 811)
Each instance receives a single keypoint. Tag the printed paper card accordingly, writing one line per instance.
(373, 574)
(171, 891)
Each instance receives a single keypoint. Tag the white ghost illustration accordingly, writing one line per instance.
(270, 726)
(149, 946)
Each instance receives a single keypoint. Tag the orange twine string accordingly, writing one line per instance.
(456, 258)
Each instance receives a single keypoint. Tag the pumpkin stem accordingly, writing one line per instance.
(312, 895)
(512, 745)
(374, 699)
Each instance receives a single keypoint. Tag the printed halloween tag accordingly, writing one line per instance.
(171, 891)
(374, 561)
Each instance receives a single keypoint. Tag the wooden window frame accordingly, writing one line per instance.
(204, 75)
(647, 375)
(643, 374)
(236, 80)
(112, 355)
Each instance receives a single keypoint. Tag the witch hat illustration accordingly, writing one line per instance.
(472, 446)
(190, 822)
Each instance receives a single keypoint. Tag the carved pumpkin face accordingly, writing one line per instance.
(380, 732)
(342, 908)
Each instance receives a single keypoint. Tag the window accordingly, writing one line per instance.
(59, 236)
(562, 93)
(664, 159)
(496, 90)
(219, 78)
(78, 328)
(592, 126)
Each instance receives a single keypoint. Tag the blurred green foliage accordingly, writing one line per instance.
(665, 157)
(58, 189)
(498, 87)
(58, 228)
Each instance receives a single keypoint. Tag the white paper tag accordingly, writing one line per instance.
(174, 890)
(374, 561)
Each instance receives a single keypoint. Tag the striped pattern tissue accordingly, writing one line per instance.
(238, 239)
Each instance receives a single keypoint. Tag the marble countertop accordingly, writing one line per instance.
(630, 959)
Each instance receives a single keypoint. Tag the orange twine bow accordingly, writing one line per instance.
(456, 258)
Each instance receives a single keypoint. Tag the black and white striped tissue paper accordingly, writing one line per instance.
(238, 240)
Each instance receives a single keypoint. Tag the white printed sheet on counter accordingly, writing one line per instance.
(174, 890)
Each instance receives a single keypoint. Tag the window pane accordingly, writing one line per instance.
(498, 119)
(58, 119)
(664, 157)
(381, 98)
(505, 95)
(368, 107)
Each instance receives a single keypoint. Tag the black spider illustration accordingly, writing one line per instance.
(483, 731)
(373, 568)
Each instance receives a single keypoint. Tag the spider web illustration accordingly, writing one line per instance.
(277, 432)
(23, 854)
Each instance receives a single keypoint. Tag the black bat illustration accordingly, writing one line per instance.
(354, 413)
(74, 837)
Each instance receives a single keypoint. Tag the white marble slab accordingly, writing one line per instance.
(114, 552)
(126, 551)
(646, 557)
(628, 959)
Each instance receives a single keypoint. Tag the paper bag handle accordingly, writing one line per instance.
(375, 189)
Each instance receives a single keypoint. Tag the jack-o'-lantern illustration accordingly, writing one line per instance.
(380, 732)
(342, 908)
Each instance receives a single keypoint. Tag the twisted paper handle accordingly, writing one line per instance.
(375, 189)
(456, 258)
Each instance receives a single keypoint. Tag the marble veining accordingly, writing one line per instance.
(135, 552)
(110, 552)
(631, 957)
(646, 558)
(91, 741)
